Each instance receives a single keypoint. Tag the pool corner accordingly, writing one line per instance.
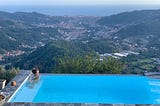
(19, 78)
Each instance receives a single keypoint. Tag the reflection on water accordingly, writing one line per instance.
(32, 80)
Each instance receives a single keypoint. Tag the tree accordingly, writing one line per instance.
(8, 74)
(88, 64)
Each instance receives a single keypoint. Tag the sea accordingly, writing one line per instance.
(96, 10)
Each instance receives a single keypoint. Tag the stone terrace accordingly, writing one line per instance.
(70, 104)
(22, 75)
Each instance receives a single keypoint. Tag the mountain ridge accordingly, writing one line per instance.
(129, 31)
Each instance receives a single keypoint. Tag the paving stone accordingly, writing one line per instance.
(105, 104)
(118, 104)
(129, 105)
(20, 77)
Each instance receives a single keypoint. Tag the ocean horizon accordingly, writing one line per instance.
(99, 10)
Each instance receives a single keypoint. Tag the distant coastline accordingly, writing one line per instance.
(99, 10)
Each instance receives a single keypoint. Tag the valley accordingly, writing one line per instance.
(23, 36)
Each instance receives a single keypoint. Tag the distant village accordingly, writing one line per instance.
(13, 53)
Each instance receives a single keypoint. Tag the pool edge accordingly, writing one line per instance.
(20, 79)
(7, 103)
(18, 88)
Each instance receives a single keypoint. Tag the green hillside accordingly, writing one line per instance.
(46, 57)
(133, 17)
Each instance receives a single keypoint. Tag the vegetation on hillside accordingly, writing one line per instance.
(8, 74)
(46, 57)
(49, 42)
(88, 64)
(69, 57)
(133, 17)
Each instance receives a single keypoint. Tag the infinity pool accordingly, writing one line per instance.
(90, 89)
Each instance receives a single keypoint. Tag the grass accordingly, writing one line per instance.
(146, 61)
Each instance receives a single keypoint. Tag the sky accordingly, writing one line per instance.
(76, 2)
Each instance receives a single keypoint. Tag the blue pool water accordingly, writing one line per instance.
(90, 89)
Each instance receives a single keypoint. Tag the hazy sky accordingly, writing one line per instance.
(76, 2)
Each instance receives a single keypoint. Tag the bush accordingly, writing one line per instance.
(88, 64)
(8, 74)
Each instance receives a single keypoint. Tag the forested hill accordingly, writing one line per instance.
(134, 17)
(30, 34)
(31, 18)
(68, 57)
(46, 57)
(27, 31)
